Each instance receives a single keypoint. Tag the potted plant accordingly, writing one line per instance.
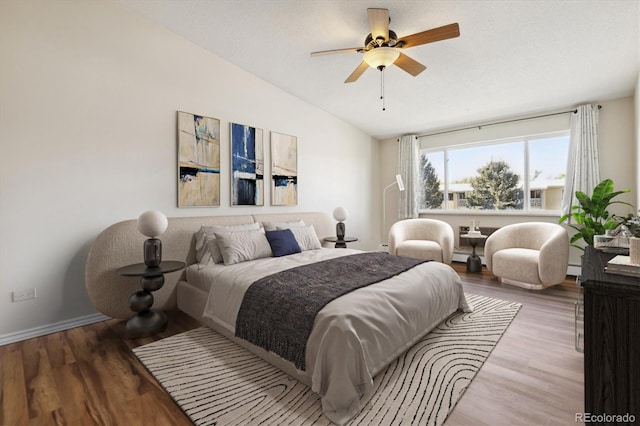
(592, 216)
(630, 225)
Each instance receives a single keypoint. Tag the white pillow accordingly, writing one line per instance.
(306, 237)
(240, 246)
(207, 250)
(274, 226)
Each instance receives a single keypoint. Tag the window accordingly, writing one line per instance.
(535, 199)
(522, 174)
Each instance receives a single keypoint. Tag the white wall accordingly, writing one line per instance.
(617, 150)
(88, 99)
(636, 99)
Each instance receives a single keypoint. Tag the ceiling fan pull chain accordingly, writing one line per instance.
(382, 88)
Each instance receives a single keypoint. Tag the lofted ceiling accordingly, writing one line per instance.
(512, 57)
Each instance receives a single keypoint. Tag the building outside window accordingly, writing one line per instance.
(535, 198)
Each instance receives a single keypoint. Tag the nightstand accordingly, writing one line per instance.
(147, 321)
(474, 263)
(340, 242)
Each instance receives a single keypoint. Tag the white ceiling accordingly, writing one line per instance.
(512, 57)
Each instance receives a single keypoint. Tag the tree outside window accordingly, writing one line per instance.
(431, 196)
(495, 188)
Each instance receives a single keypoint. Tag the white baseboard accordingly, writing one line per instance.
(573, 270)
(19, 336)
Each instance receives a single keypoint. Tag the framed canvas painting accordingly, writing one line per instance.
(284, 170)
(247, 166)
(198, 160)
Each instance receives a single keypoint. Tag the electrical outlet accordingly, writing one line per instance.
(24, 295)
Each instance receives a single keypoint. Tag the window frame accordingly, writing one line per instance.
(527, 210)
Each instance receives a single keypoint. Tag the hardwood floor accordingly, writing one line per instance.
(85, 376)
(534, 376)
(88, 375)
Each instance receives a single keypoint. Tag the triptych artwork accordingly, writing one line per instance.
(199, 164)
(284, 170)
(198, 160)
(247, 166)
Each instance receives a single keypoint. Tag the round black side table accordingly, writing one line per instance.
(340, 242)
(147, 321)
(474, 263)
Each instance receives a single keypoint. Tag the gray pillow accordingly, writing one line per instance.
(274, 226)
(207, 250)
(240, 246)
(306, 237)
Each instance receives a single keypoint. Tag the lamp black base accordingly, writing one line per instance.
(152, 252)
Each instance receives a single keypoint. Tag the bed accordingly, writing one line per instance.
(353, 337)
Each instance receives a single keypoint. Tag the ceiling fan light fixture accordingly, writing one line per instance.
(381, 56)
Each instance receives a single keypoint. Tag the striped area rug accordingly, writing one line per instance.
(216, 382)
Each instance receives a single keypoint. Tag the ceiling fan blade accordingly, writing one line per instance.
(357, 73)
(429, 36)
(409, 65)
(379, 23)
(332, 52)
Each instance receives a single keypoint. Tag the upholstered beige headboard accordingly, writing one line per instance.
(121, 244)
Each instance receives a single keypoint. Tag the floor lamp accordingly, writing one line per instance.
(400, 184)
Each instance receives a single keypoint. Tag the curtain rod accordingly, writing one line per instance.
(479, 126)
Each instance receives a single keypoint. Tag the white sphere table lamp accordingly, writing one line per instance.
(152, 223)
(340, 214)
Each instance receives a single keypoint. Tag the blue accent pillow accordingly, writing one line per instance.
(282, 242)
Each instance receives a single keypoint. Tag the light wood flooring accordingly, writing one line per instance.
(88, 375)
(534, 376)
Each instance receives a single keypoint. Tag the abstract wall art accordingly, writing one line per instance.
(284, 170)
(198, 161)
(247, 166)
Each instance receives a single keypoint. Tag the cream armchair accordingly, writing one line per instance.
(427, 239)
(532, 255)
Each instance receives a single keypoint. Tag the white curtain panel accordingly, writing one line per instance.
(408, 169)
(583, 167)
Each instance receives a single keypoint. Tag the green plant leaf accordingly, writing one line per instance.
(592, 216)
(602, 190)
(576, 237)
(583, 198)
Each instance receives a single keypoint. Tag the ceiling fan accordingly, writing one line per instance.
(382, 47)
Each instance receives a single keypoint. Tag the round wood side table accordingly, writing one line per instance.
(340, 242)
(474, 263)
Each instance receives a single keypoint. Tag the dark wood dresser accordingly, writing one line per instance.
(611, 341)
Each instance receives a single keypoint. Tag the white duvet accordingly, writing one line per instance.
(355, 336)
